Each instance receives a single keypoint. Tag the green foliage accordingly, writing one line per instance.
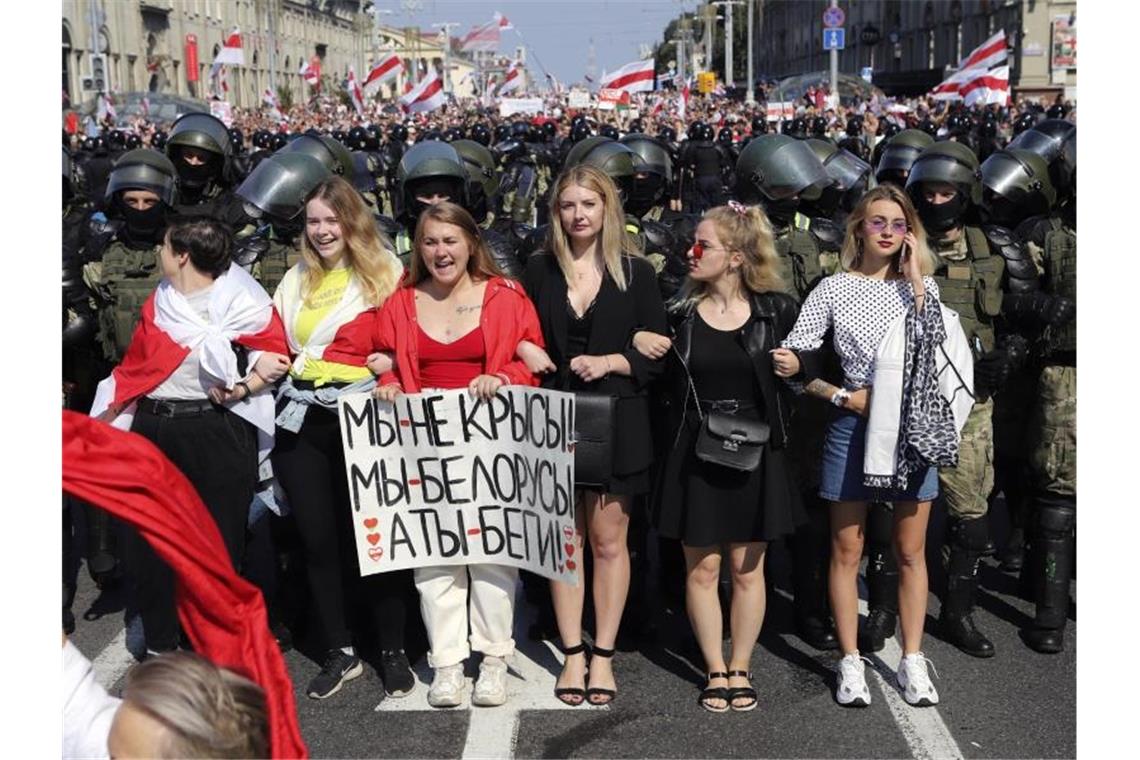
(284, 97)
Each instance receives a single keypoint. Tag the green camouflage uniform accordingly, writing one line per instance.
(121, 281)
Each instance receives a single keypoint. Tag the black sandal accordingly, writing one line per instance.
(572, 691)
(595, 691)
(714, 692)
(736, 692)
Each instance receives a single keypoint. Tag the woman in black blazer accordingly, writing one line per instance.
(588, 325)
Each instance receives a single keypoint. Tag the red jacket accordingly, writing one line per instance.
(507, 318)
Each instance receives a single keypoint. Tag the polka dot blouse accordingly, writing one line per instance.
(861, 310)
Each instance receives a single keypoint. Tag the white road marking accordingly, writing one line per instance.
(113, 661)
(922, 727)
(492, 732)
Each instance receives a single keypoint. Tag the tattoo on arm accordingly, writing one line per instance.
(820, 389)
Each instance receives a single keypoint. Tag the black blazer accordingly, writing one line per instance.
(616, 317)
(773, 316)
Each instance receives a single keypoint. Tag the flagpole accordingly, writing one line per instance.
(531, 51)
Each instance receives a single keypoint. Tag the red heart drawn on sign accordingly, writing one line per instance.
(373, 538)
(568, 531)
(404, 423)
(570, 448)
(569, 549)
(371, 523)
(570, 564)
(376, 553)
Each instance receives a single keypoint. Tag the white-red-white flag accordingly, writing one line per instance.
(512, 80)
(105, 107)
(231, 51)
(425, 96)
(144, 105)
(503, 23)
(485, 37)
(354, 92)
(388, 67)
(311, 71)
(989, 53)
(987, 87)
(632, 77)
(949, 88)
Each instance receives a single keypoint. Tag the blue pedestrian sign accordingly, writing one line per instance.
(834, 39)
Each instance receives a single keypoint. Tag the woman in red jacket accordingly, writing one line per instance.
(457, 323)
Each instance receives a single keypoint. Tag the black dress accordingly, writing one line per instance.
(703, 504)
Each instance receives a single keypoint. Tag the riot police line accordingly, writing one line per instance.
(1003, 230)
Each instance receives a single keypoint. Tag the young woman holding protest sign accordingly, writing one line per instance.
(328, 303)
(458, 323)
(592, 292)
(182, 385)
(731, 314)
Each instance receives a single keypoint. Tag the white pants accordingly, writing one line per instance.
(444, 606)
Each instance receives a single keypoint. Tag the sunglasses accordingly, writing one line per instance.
(878, 224)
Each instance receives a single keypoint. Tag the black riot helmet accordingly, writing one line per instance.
(950, 163)
(372, 137)
(117, 139)
(759, 125)
(451, 134)
(854, 126)
(69, 183)
(959, 123)
(398, 133)
(620, 162)
(653, 177)
(928, 126)
(339, 135)
(899, 154)
(549, 130)
(278, 186)
(707, 132)
(724, 136)
(356, 139)
(502, 132)
(798, 128)
(430, 134)
(849, 174)
(609, 130)
(278, 140)
(579, 132)
(519, 130)
(480, 134)
(778, 168)
(1055, 140)
(818, 126)
(237, 141)
(482, 176)
(326, 150)
(1056, 111)
(637, 126)
(144, 169)
(158, 140)
(261, 139)
(206, 133)
(133, 141)
(668, 134)
(888, 129)
(1025, 121)
(696, 130)
(1015, 186)
(432, 167)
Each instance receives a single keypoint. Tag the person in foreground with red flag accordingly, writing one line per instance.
(224, 615)
(182, 385)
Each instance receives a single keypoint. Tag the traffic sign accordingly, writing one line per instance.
(834, 17)
(834, 39)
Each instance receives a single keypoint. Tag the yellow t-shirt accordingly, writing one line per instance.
(323, 300)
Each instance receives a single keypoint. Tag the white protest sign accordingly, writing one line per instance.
(509, 106)
(579, 99)
(223, 111)
(441, 478)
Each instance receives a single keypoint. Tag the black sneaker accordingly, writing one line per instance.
(396, 672)
(338, 668)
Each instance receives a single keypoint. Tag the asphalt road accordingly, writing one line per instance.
(1018, 704)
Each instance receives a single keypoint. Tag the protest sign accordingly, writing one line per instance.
(579, 99)
(223, 111)
(442, 478)
(510, 106)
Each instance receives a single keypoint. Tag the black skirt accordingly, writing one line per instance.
(703, 504)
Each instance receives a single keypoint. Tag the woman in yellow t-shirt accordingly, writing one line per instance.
(328, 302)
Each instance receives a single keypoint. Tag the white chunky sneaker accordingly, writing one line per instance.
(915, 681)
(491, 688)
(447, 687)
(852, 689)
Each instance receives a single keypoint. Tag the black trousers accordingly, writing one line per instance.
(217, 452)
(309, 465)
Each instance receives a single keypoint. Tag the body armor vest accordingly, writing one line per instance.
(1061, 280)
(272, 266)
(128, 278)
(800, 261)
(972, 287)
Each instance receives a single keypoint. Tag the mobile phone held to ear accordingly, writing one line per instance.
(903, 253)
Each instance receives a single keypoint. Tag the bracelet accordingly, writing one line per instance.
(242, 384)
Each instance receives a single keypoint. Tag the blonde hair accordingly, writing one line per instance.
(615, 242)
(207, 711)
(748, 232)
(367, 250)
(480, 265)
(852, 252)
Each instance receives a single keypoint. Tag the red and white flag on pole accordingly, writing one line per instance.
(388, 67)
(485, 37)
(989, 53)
(987, 87)
(512, 80)
(504, 24)
(231, 51)
(425, 96)
(144, 104)
(105, 108)
(354, 93)
(311, 71)
(632, 77)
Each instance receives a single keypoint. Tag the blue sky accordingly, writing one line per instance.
(558, 32)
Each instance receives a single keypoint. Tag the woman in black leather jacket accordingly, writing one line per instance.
(730, 315)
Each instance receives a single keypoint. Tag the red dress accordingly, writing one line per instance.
(450, 365)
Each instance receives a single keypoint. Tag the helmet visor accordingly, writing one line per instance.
(846, 169)
(279, 184)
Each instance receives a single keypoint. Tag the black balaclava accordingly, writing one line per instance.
(142, 228)
(781, 212)
(645, 193)
(194, 179)
(943, 217)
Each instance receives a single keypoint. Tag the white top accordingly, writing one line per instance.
(861, 310)
(88, 710)
(190, 381)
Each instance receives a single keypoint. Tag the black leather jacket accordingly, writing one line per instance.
(773, 316)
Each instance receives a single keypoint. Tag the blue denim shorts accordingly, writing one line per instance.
(841, 476)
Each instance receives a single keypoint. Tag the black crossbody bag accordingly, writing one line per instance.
(593, 439)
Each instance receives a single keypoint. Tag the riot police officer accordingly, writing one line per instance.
(977, 268)
(199, 146)
(776, 172)
(899, 154)
(887, 130)
(702, 166)
(850, 176)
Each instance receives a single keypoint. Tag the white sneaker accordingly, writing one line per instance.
(852, 689)
(491, 688)
(915, 681)
(447, 687)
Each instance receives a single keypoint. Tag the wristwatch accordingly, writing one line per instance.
(840, 398)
